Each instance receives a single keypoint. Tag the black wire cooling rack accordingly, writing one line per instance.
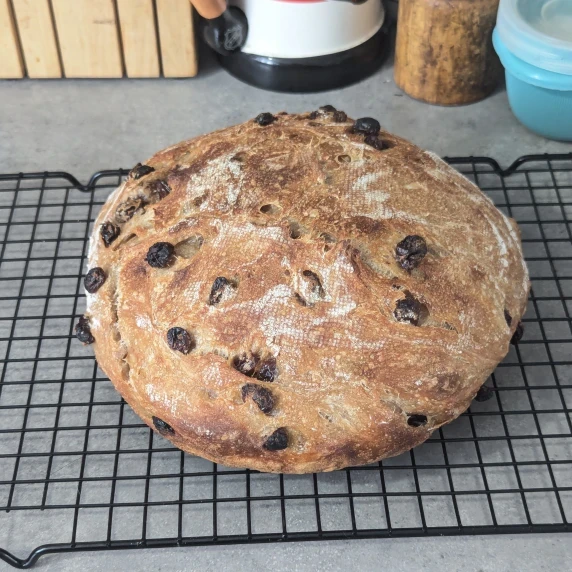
(79, 471)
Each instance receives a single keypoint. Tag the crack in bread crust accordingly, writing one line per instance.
(297, 224)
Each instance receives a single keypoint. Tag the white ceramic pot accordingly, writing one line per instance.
(308, 28)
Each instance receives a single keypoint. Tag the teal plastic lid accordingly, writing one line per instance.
(529, 73)
(538, 32)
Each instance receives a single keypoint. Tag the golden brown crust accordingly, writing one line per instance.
(302, 219)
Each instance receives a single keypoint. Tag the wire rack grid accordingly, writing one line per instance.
(79, 471)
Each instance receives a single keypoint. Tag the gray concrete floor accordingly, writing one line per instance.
(84, 126)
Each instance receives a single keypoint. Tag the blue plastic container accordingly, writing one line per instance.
(533, 39)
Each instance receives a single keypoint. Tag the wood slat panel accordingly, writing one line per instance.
(139, 37)
(89, 38)
(177, 38)
(38, 38)
(10, 58)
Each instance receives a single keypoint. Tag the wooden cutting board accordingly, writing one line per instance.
(37, 36)
(139, 37)
(177, 37)
(97, 38)
(89, 38)
(11, 65)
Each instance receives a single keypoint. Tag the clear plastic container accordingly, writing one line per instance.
(533, 39)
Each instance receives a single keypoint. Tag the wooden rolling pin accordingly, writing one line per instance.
(444, 53)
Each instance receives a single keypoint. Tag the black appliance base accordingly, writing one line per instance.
(309, 74)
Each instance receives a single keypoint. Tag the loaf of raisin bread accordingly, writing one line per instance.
(300, 292)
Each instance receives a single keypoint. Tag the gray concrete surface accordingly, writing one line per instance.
(472, 554)
(84, 126)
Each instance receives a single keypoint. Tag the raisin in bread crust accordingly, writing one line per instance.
(302, 218)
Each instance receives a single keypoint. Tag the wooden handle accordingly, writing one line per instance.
(444, 53)
(209, 9)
